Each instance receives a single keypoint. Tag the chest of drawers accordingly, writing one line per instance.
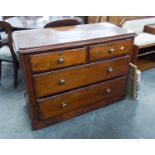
(72, 70)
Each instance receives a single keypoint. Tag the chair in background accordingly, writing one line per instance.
(7, 53)
(102, 19)
(94, 19)
(61, 23)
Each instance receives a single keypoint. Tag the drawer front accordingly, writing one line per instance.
(110, 49)
(49, 61)
(58, 81)
(82, 97)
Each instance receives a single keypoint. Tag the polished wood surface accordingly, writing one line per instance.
(68, 115)
(49, 83)
(66, 102)
(79, 35)
(49, 86)
(35, 22)
(59, 59)
(110, 49)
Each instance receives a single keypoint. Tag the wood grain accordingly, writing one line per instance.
(49, 61)
(82, 97)
(77, 35)
(48, 83)
(101, 51)
(84, 83)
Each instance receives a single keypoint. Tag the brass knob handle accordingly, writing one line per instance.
(61, 82)
(111, 50)
(110, 69)
(63, 105)
(108, 90)
(60, 60)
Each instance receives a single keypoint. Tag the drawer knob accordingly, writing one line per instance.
(108, 90)
(61, 82)
(63, 105)
(110, 69)
(60, 61)
(111, 50)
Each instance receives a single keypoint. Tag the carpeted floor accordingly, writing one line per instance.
(125, 119)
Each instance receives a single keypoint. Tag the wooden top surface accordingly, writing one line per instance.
(63, 36)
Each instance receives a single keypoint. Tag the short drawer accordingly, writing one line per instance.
(73, 100)
(65, 79)
(53, 60)
(110, 49)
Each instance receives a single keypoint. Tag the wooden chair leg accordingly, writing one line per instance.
(0, 69)
(15, 66)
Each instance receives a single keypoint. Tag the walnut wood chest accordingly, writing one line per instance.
(72, 70)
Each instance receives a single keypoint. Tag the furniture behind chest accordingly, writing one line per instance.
(72, 70)
(144, 44)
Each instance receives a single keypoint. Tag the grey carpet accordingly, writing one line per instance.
(125, 119)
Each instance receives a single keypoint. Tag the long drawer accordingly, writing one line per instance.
(67, 102)
(61, 80)
(110, 49)
(59, 59)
